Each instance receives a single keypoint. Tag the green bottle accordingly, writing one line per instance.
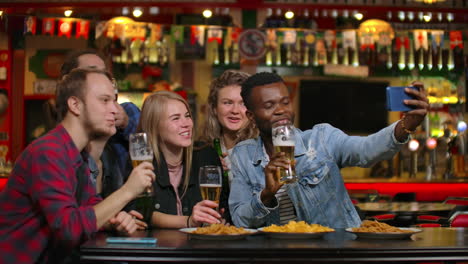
(217, 146)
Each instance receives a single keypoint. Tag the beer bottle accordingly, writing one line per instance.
(225, 189)
(217, 146)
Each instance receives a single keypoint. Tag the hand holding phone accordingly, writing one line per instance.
(396, 96)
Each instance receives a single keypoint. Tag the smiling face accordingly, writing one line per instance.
(271, 106)
(230, 109)
(176, 125)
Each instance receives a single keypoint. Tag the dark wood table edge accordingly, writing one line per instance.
(287, 255)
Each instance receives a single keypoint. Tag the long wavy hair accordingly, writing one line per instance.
(150, 121)
(212, 127)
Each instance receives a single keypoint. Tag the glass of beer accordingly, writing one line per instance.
(210, 180)
(140, 150)
(283, 141)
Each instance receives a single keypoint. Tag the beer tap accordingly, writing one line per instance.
(431, 144)
(413, 147)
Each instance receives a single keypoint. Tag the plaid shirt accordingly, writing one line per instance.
(40, 218)
(120, 140)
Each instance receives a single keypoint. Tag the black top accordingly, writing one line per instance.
(164, 195)
(112, 177)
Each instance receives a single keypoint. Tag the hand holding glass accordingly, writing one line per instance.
(284, 141)
(210, 180)
(140, 151)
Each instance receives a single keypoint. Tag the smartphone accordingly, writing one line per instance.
(395, 97)
(131, 240)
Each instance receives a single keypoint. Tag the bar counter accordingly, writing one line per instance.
(426, 191)
(432, 244)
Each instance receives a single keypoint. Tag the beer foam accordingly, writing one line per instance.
(278, 142)
(210, 185)
(144, 158)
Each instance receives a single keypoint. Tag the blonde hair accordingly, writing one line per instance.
(212, 127)
(150, 120)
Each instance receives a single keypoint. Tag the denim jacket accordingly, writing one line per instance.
(319, 196)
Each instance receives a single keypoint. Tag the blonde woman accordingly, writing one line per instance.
(166, 118)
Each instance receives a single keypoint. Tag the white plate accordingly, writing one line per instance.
(217, 237)
(381, 235)
(294, 235)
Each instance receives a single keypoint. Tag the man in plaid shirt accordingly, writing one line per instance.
(49, 206)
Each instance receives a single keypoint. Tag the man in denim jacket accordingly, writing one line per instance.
(319, 196)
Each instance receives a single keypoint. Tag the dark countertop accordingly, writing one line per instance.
(432, 244)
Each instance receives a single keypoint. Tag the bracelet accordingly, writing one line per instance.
(402, 121)
(188, 221)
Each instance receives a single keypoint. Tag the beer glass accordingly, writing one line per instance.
(283, 141)
(140, 150)
(210, 180)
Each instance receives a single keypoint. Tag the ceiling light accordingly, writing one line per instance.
(125, 11)
(450, 17)
(269, 12)
(401, 15)
(289, 14)
(358, 16)
(316, 13)
(137, 12)
(429, 1)
(345, 13)
(420, 16)
(68, 12)
(154, 10)
(207, 13)
(1, 12)
(427, 17)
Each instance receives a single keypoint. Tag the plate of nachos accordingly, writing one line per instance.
(378, 230)
(218, 232)
(296, 230)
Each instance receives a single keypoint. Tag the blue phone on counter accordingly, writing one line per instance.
(395, 97)
(132, 240)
